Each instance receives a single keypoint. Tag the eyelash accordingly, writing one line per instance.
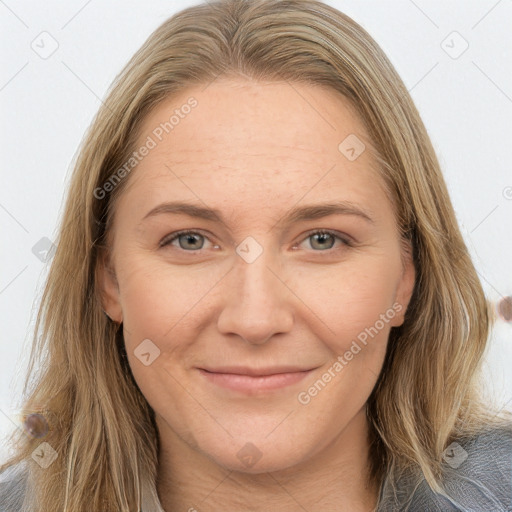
(346, 242)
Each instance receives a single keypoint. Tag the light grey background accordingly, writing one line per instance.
(464, 96)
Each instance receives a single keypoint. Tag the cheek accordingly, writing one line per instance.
(357, 306)
(158, 299)
(353, 301)
(162, 312)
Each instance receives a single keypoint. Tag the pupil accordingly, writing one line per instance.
(321, 238)
(190, 238)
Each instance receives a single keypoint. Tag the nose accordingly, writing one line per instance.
(258, 303)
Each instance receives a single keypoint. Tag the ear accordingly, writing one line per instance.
(109, 288)
(405, 286)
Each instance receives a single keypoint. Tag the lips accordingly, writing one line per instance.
(256, 372)
(254, 380)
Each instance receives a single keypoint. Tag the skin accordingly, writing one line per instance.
(254, 151)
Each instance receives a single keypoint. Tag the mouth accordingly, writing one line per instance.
(253, 380)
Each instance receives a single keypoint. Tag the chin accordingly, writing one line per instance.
(258, 456)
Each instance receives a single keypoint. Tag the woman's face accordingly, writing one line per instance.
(255, 338)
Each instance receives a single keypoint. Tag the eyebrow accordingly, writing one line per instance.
(297, 214)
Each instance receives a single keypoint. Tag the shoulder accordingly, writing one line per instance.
(13, 487)
(14, 490)
(482, 474)
(477, 476)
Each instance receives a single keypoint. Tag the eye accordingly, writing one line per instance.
(324, 240)
(321, 240)
(187, 240)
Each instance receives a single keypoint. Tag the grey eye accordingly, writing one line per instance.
(322, 240)
(190, 241)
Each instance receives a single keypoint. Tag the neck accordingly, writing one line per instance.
(334, 480)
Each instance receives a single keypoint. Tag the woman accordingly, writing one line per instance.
(318, 343)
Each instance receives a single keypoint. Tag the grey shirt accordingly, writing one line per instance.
(477, 478)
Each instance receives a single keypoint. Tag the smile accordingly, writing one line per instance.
(250, 381)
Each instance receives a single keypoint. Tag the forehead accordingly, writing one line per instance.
(242, 142)
(280, 117)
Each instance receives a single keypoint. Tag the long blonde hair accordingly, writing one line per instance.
(428, 392)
